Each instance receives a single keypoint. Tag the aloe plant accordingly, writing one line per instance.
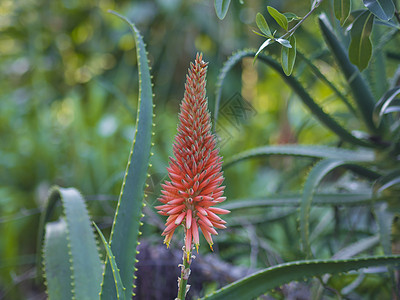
(372, 155)
(73, 267)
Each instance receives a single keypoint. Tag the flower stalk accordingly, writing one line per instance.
(183, 287)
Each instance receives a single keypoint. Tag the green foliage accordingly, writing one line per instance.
(78, 266)
(383, 9)
(318, 172)
(387, 104)
(263, 26)
(259, 283)
(57, 261)
(304, 151)
(361, 91)
(342, 10)
(65, 64)
(125, 231)
(332, 199)
(288, 56)
(278, 17)
(221, 8)
(119, 286)
(360, 49)
(296, 86)
(379, 169)
(291, 16)
(78, 235)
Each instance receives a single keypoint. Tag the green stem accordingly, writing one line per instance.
(291, 31)
(185, 272)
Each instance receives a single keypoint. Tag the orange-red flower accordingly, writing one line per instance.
(195, 170)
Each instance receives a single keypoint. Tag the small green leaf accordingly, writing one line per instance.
(383, 9)
(284, 42)
(263, 25)
(221, 8)
(342, 10)
(288, 56)
(360, 49)
(291, 16)
(262, 47)
(261, 282)
(278, 17)
(117, 277)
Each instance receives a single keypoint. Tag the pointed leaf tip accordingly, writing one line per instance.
(263, 25)
(221, 8)
(383, 9)
(278, 17)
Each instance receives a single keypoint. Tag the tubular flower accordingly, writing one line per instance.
(195, 175)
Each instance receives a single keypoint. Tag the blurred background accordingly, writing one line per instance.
(69, 85)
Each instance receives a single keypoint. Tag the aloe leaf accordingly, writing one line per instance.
(126, 226)
(384, 221)
(84, 255)
(386, 182)
(56, 261)
(393, 107)
(323, 78)
(278, 17)
(261, 282)
(221, 8)
(120, 289)
(384, 103)
(342, 10)
(360, 48)
(383, 9)
(296, 86)
(318, 172)
(357, 247)
(377, 68)
(351, 251)
(51, 202)
(288, 56)
(303, 151)
(263, 25)
(331, 199)
(362, 94)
